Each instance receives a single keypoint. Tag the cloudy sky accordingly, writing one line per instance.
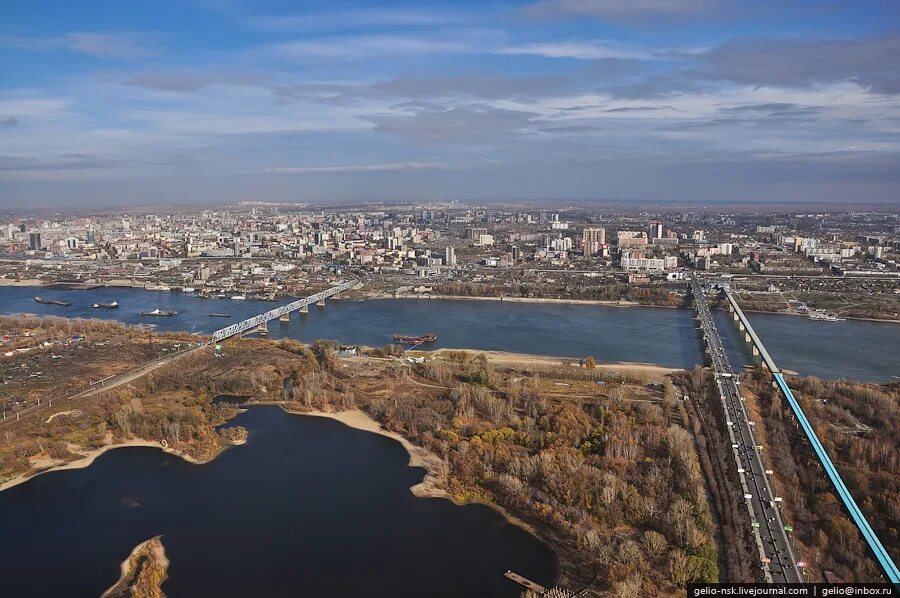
(110, 102)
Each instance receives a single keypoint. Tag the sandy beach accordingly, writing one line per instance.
(528, 360)
(418, 456)
(508, 299)
(46, 465)
(25, 282)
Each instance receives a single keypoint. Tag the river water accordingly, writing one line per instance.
(308, 507)
(851, 349)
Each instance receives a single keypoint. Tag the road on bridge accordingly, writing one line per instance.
(779, 560)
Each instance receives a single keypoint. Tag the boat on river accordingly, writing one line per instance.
(111, 305)
(159, 312)
(819, 316)
(51, 302)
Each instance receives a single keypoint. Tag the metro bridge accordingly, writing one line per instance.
(881, 555)
(284, 311)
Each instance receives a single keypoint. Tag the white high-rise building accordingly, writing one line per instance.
(449, 257)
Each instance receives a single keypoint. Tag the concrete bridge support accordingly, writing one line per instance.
(747, 338)
(320, 303)
(304, 309)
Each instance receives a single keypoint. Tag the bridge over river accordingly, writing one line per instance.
(280, 312)
(776, 550)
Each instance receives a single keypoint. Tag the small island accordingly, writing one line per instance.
(143, 572)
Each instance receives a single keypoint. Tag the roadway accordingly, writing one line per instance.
(887, 565)
(777, 557)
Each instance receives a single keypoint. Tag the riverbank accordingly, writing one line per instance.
(25, 282)
(47, 465)
(418, 456)
(527, 360)
(510, 299)
(794, 313)
(434, 466)
(555, 301)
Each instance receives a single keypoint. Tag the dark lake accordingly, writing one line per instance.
(308, 507)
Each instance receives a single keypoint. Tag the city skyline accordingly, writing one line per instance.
(575, 100)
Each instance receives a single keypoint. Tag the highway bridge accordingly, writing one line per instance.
(878, 551)
(285, 310)
(776, 554)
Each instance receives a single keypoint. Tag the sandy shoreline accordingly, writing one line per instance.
(429, 487)
(158, 551)
(90, 456)
(510, 299)
(418, 457)
(27, 282)
(533, 360)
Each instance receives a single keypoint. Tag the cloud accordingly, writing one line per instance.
(623, 10)
(583, 50)
(351, 19)
(169, 81)
(871, 63)
(481, 86)
(120, 46)
(371, 45)
(8, 121)
(474, 124)
(63, 162)
(108, 45)
(388, 167)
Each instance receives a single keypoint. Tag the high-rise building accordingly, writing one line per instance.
(449, 257)
(655, 230)
(630, 238)
(592, 239)
(475, 232)
(34, 241)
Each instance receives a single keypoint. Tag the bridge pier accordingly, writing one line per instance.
(263, 329)
(736, 318)
(755, 351)
(285, 318)
(747, 338)
(320, 303)
(304, 309)
(741, 326)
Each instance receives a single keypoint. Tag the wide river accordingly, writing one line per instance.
(308, 507)
(851, 349)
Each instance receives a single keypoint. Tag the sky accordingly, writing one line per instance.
(214, 101)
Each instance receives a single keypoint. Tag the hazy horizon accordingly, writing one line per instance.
(222, 101)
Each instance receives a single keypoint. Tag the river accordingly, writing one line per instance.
(308, 507)
(668, 337)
